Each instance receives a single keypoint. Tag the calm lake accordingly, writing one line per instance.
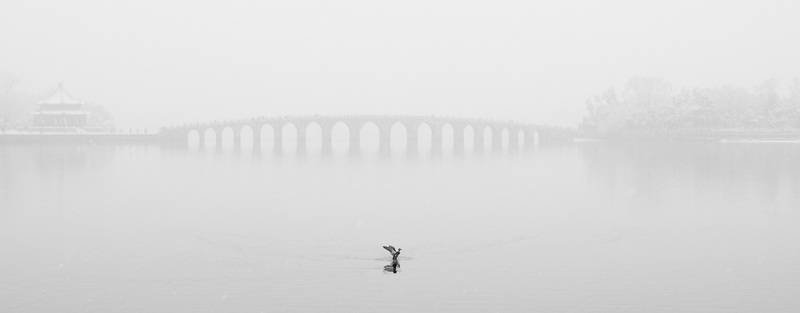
(571, 227)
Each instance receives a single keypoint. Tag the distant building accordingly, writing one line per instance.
(60, 112)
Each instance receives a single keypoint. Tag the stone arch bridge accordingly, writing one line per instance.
(518, 134)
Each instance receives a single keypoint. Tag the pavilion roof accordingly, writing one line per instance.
(59, 97)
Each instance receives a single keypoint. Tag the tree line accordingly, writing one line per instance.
(652, 104)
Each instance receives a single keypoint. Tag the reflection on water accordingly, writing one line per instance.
(645, 227)
(392, 267)
(695, 175)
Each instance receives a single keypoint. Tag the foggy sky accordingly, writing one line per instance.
(155, 63)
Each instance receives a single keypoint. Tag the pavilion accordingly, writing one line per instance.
(60, 112)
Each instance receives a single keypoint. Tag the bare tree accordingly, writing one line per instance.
(647, 92)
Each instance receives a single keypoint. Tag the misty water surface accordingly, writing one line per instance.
(601, 227)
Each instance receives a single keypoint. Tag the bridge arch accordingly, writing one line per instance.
(515, 139)
(314, 138)
(497, 138)
(289, 135)
(246, 137)
(479, 137)
(369, 138)
(426, 132)
(398, 134)
(469, 138)
(209, 138)
(340, 138)
(458, 137)
(486, 137)
(448, 137)
(267, 136)
(226, 137)
(193, 138)
(424, 135)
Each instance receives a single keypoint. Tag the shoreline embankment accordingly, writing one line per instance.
(77, 138)
(722, 136)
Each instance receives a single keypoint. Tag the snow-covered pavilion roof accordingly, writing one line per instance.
(59, 97)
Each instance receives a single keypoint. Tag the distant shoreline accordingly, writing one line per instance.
(724, 136)
(578, 136)
(76, 137)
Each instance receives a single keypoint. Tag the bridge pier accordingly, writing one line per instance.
(301, 144)
(513, 140)
(256, 138)
(412, 140)
(277, 142)
(385, 138)
(531, 140)
(458, 139)
(355, 143)
(478, 139)
(201, 139)
(237, 138)
(218, 139)
(436, 139)
(327, 138)
(354, 132)
(497, 139)
(301, 137)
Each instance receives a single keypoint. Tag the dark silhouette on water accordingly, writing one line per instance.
(392, 267)
(394, 252)
(395, 264)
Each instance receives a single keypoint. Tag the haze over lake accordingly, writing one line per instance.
(588, 226)
(523, 156)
